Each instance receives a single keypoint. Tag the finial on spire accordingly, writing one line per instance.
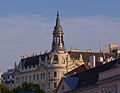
(58, 19)
(15, 66)
(57, 13)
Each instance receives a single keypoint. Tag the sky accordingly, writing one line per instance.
(26, 26)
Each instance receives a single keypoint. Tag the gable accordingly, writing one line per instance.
(63, 87)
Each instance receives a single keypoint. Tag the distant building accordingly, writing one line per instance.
(0, 76)
(48, 68)
(101, 79)
(8, 78)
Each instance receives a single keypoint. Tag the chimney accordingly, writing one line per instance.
(117, 53)
(92, 61)
(100, 59)
(46, 51)
(81, 58)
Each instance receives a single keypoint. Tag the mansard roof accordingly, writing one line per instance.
(86, 55)
(33, 60)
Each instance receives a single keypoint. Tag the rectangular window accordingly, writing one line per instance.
(22, 79)
(62, 87)
(49, 74)
(34, 77)
(26, 78)
(37, 76)
(41, 75)
(44, 75)
(30, 78)
(49, 85)
(55, 74)
(18, 80)
(55, 84)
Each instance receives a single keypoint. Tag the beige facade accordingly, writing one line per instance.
(48, 68)
(48, 73)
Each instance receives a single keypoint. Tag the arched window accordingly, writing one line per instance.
(55, 58)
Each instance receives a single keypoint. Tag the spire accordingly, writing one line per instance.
(58, 19)
(15, 66)
(58, 43)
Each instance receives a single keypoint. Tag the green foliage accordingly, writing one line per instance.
(3, 88)
(27, 87)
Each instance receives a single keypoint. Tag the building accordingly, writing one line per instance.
(8, 78)
(101, 79)
(0, 76)
(48, 68)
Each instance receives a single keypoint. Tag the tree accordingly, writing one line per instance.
(26, 87)
(3, 88)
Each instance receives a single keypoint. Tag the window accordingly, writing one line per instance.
(55, 58)
(18, 80)
(49, 85)
(30, 78)
(37, 76)
(62, 87)
(34, 77)
(55, 84)
(41, 75)
(23, 79)
(26, 78)
(44, 75)
(58, 40)
(48, 74)
(12, 82)
(55, 74)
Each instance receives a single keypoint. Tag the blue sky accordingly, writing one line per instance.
(26, 26)
(67, 7)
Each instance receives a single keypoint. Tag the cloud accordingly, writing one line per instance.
(20, 35)
(86, 32)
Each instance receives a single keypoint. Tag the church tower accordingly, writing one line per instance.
(58, 43)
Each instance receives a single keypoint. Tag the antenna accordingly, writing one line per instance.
(99, 45)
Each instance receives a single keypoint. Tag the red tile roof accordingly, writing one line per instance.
(81, 68)
(78, 69)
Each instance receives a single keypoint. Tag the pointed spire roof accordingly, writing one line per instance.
(57, 19)
(58, 27)
(58, 43)
(15, 66)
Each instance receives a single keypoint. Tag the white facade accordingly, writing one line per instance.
(0, 76)
(8, 78)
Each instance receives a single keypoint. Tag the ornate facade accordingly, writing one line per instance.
(48, 68)
(102, 79)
